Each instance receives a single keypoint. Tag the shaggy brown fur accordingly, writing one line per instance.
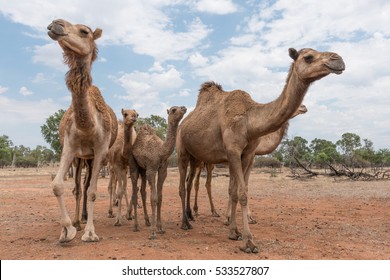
(89, 126)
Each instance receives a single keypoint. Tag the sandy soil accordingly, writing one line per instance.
(316, 219)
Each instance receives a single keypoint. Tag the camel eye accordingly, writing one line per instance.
(308, 58)
(125, 115)
(84, 31)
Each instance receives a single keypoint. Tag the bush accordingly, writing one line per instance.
(267, 162)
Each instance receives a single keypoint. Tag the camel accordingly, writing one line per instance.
(89, 127)
(150, 158)
(118, 161)
(267, 145)
(227, 126)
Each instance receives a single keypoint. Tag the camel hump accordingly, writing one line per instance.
(146, 130)
(209, 84)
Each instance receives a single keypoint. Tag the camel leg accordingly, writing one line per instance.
(210, 168)
(119, 194)
(68, 231)
(183, 164)
(87, 182)
(124, 174)
(134, 174)
(229, 207)
(193, 166)
(162, 175)
(143, 197)
(77, 192)
(248, 170)
(196, 186)
(89, 234)
(247, 238)
(111, 187)
(151, 177)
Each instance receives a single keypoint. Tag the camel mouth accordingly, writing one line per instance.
(55, 36)
(336, 67)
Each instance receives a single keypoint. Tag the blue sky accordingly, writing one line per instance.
(155, 54)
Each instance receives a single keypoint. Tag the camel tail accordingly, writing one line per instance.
(209, 84)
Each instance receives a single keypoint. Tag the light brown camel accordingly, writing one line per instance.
(268, 143)
(227, 126)
(150, 158)
(118, 161)
(89, 127)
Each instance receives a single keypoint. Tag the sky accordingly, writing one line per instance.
(155, 54)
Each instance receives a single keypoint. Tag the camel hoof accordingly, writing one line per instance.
(186, 226)
(118, 224)
(153, 236)
(110, 214)
(77, 225)
(235, 235)
(90, 236)
(136, 228)
(215, 214)
(251, 221)
(67, 234)
(128, 216)
(250, 247)
(161, 231)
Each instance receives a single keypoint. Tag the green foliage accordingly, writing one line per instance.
(50, 131)
(157, 122)
(5, 151)
(267, 161)
(324, 152)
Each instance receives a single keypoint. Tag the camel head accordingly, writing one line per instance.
(129, 116)
(176, 113)
(301, 110)
(75, 40)
(311, 65)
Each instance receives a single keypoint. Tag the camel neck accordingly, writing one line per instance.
(127, 144)
(170, 141)
(270, 117)
(270, 142)
(79, 81)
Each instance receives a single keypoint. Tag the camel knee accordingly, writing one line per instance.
(58, 189)
(243, 198)
(91, 196)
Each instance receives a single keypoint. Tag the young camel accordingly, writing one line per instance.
(118, 162)
(227, 126)
(89, 127)
(267, 145)
(150, 158)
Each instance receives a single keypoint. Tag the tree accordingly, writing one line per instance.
(294, 148)
(157, 122)
(50, 131)
(324, 151)
(5, 151)
(348, 144)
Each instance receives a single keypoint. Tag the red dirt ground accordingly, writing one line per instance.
(319, 218)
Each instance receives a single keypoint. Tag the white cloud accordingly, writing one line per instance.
(25, 91)
(145, 89)
(141, 24)
(49, 55)
(22, 112)
(219, 7)
(3, 89)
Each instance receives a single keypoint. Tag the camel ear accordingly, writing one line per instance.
(122, 111)
(168, 111)
(293, 53)
(97, 33)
